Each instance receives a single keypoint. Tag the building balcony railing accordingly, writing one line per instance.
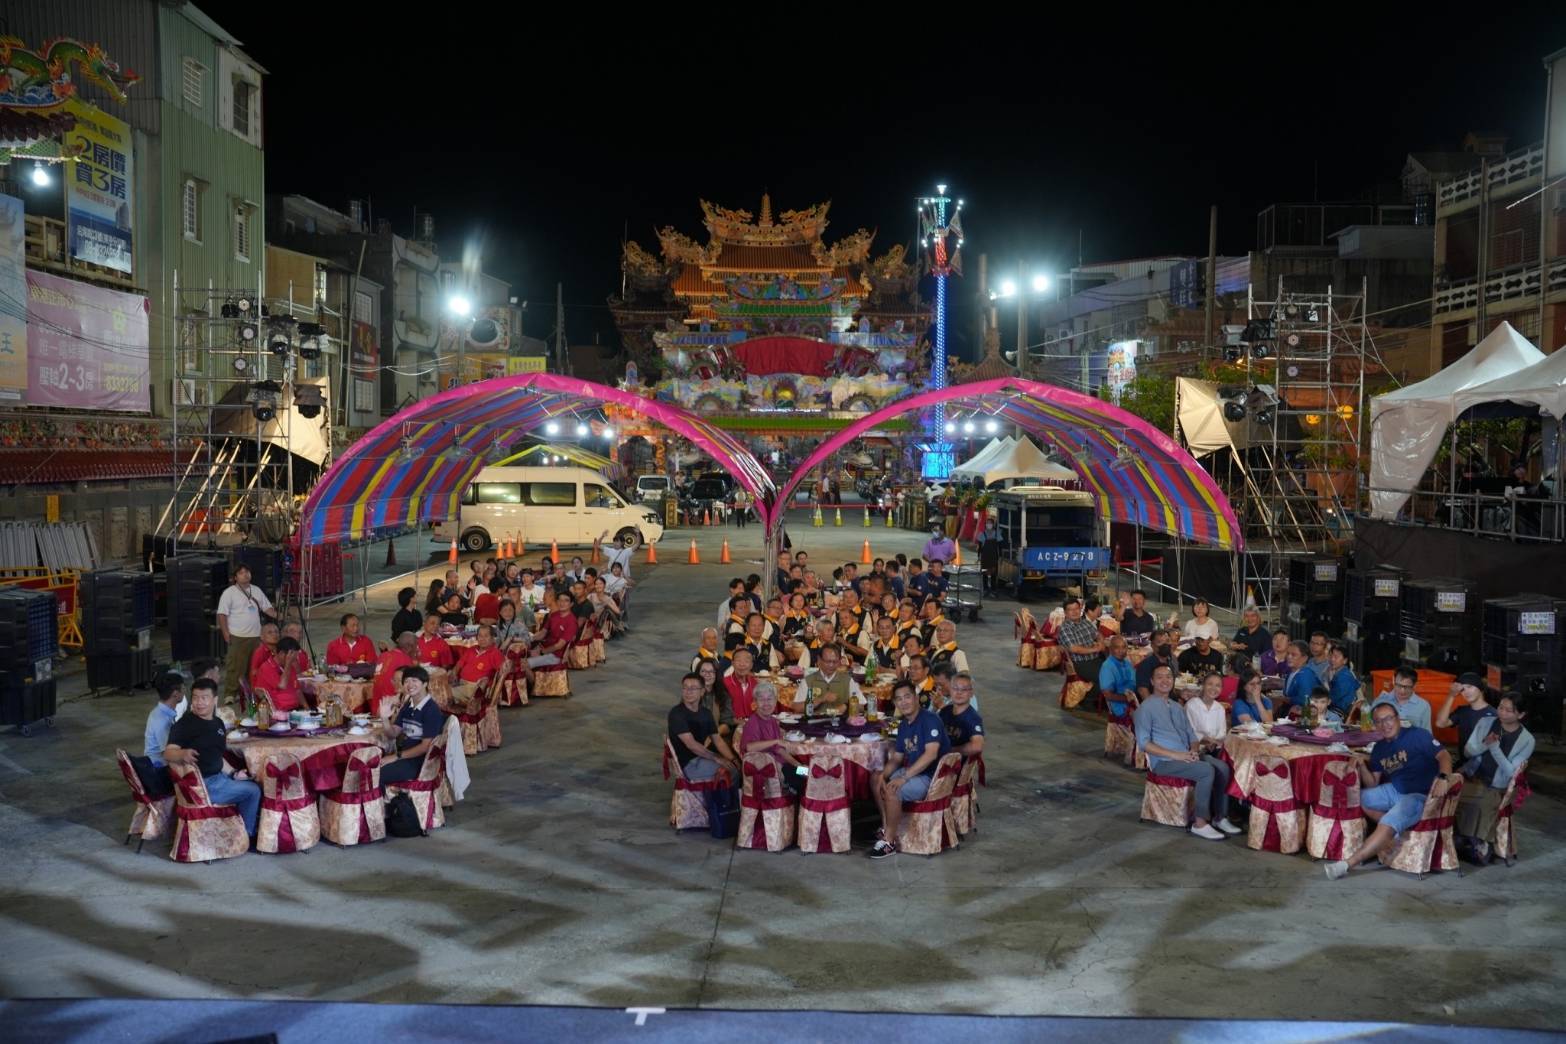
(1520, 166)
(1517, 282)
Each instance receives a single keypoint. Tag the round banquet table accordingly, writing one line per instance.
(354, 694)
(321, 757)
(860, 759)
(1306, 761)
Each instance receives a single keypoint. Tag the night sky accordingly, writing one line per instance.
(543, 143)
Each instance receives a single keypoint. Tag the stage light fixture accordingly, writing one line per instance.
(244, 304)
(991, 427)
(1260, 351)
(310, 337)
(582, 430)
(308, 400)
(552, 428)
(951, 427)
(263, 400)
(277, 343)
(241, 364)
(247, 333)
(1233, 354)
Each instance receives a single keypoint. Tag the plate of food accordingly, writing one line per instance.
(279, 726)
(794, 737)
(248, 723)
(309, 725)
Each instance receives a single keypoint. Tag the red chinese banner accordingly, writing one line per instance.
(87, 346)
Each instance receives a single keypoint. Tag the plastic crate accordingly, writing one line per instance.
(25, 700)
(1526, 630)
(1369, 591)
(117, 610)
(194, 642)
(1315, 599)
(120, 671)
(195, 584)
(28, 629)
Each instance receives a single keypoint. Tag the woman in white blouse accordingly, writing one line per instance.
(1201, 624)
(1209, 719)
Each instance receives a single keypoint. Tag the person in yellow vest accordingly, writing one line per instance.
(913, 645)
(945, 648)
(776, 617)
(930, 618)
(759, 641)
(887, 607)
(851, 636)
(734, 626)
(827, 690)
(709, 648)
(924, 685)
(797, 618)
(887, 647)
(855, 607)
(823, 635)
(907, 619)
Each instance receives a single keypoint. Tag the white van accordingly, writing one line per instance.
(540, 504)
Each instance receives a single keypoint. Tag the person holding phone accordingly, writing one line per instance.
(763, 734)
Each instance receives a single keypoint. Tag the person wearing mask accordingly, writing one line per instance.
(407, 617)
(939, 545)
(1162, 656)
(990, 547)
(240, 611)
(1496, 751)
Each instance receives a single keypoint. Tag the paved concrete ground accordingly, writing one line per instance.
(559, 882)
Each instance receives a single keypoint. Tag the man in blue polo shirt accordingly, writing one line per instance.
(1117, 678)
(921, 743)
(1394, 780)
(964, 727)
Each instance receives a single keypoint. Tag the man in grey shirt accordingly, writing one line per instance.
(1164, 733)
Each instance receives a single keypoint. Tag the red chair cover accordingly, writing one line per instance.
(288, 821)
(766, 819)
(203, 831)
(355, 813)
(150, 819)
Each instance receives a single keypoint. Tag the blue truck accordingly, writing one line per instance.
(1050, 537)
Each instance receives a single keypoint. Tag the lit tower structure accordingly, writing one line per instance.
(940, 219)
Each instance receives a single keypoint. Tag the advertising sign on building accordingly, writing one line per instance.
(87, 346)
(13, 300)
(1120, 367)
(526, 364)
(98, 191)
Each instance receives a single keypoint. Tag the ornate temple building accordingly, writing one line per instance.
(767, 316)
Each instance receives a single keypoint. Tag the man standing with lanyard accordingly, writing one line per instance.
(239, 614)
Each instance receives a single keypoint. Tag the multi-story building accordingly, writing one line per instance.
(1489, 239)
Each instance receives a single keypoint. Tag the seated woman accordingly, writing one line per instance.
(716, 698)
(1341, 681)
(452, 613)
(1249, 703)
(763, 734)
(1209, 718)
(419, 720)
(509, 630)
(1237, 665)
(1202, 624)
(1497, 749)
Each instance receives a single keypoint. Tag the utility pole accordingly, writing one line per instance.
(1022, 322)
(986, 306)
(560, 346)
(1208, 336)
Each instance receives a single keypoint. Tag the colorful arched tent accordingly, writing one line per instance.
(413, 467)
(1137, 473)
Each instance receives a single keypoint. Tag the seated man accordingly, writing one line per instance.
(1413, 709)
(486, 607)
(1275, 661)
(758, 639)
(826, 691)
(740, 684)
(693, 733)
(1117, 678)
(964, 727)
(922, 681)
(1252, 638)
(887, 649)
(278, 677)
(351, 647)
(435, 651)
(198, 740)
(921, 743)
(418, 724)
(727, 607)
(708, 650)
(388, 670)
(1201, 658)
(452, 615)
(1136, 619)
(1163, 732)
(1163, 645)
(150, 767)
(934, 583)
(825, 635)
(851, 636)
(930, 620)
(945, 648)
(1394, 779)
(270, 633)
(295, 630)
(477, 666)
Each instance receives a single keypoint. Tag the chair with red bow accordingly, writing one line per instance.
(1046, 649)
(1169, 800)
(289, 821)
(355, 813)
(965, 799)
(929, 827)
(688, 806)
(513, 686)
(1505, 847)
(766, 812)
(489, 724)
(1427, 846)
(1074, 689)
(595, 649)
(1025, 629)
(425, 790)
(824, 823)
(203, 831)
(1277, 817)
(480, 720)
(152, 816)
(1337, 823)
(1120, 732)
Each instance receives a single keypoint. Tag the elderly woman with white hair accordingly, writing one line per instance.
(763, 734)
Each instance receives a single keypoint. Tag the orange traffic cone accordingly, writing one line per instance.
(554, 551)
(724, 559)
(695, 558)
(957, 553)
(452, 557)
(652, 554)
(706, 518)
(505, 550)
(864, 554)
(521, 548)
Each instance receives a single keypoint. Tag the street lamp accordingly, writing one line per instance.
(460, 308)
(41, 176)
(1040, 283)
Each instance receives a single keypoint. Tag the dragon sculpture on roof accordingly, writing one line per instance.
(41, 79)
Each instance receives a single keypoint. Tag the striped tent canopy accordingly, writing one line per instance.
(413, 467)
(1137, 473)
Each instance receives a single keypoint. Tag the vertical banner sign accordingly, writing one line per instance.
(99, 189)
(13, 300)
(1555, 130)
(87, 346)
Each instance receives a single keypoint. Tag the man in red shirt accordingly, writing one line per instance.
(277, 678)
(264, 651)
(741, 685)
(388, 670)
(477, 666)
(352, 647)
(434, 651)
(486, 607)
(295, 630)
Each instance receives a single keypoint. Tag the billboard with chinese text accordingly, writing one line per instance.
(87, 346)
(13, 300)
(98, 191)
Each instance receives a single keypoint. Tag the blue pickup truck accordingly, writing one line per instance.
(1050, 537)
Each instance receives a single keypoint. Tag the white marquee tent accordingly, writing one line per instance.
(1009, 458)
